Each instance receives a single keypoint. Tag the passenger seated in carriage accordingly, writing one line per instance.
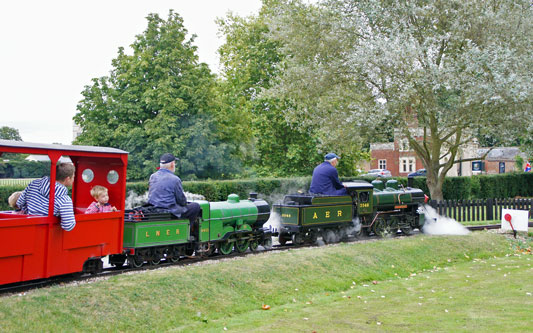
(13, 202)
(101, 205)
(34, 199)
(326, 178)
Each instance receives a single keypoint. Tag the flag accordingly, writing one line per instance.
(528, 167)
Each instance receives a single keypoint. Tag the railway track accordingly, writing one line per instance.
(22, 287)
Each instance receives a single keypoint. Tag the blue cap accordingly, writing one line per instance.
(167, 158)
(331, 156)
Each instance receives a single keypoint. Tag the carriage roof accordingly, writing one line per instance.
(42, 148)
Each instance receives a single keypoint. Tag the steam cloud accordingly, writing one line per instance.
(441, 225)
(135, 200)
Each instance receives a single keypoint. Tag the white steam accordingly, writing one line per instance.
(441, 225)
(135, 200)
(274, 222)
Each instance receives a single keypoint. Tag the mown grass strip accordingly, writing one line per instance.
(484, 295)
(196, 297)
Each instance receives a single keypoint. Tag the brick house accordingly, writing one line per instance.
(400, 160)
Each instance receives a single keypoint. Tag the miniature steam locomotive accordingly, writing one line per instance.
(375, 207)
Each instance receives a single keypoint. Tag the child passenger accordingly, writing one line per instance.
(13, 202)
(101, 205)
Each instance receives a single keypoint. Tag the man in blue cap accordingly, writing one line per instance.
(165, 191)
(326, 178)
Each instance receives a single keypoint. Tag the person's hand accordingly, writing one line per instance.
(114, 209)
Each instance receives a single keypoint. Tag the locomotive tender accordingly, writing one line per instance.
(374, 207)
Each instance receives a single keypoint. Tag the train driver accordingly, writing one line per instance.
(165, 191)
(326, 178)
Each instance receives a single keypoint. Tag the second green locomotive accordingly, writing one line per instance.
(235, 224)
(375, 207)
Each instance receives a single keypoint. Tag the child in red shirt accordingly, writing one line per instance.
(101, 205)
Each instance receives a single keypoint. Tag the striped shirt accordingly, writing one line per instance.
(34, 201)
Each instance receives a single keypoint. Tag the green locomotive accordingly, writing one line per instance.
(223, 226)
(374, 207)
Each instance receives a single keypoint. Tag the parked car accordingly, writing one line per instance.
(377, 173)
(419, 172)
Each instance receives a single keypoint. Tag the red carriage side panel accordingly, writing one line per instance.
(94, 236)
(21, 249)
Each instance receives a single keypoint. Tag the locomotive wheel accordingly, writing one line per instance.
(242, 245)
(225, 247)
(267, 243)
(175, 255)
(206, 249)
(382, 228)
(282, 240)
(155, 261)
(189, 252)
(407, 231)
(297, 239)
(254, 244)
(173, 258)
(328, 236)
(135, 261)
(312, 237)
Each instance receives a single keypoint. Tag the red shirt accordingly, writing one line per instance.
(96, 207)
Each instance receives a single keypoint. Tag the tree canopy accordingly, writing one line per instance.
(250, 63)
(159, 99)
(9, 133)
(441, 71)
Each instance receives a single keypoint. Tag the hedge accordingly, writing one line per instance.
(24, 169)
(507, 185)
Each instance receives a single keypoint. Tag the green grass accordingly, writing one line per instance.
(485, 295)
(303, 283)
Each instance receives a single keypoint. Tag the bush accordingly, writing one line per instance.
(24, 169)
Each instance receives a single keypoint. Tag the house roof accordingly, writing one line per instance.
(500, 154)
(382, 146)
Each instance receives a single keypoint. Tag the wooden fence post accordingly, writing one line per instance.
(490, 212)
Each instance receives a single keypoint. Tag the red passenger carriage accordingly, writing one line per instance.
(34, 247)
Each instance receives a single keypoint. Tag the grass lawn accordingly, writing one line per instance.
(423, 283)
(484, 295)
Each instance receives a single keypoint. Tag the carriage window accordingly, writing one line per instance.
(112, 177)
(87, 175)
(363, 197)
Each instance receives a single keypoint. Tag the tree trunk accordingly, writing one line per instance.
(434, 184)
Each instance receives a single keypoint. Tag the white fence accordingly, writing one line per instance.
(15, 181)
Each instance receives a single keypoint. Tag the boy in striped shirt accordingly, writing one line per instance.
(34, 199)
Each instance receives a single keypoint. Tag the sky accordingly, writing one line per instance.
(50, 50)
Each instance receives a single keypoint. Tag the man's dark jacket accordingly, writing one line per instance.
(326, 181)
(165, 191)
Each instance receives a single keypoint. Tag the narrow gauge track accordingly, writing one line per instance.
(111, 271)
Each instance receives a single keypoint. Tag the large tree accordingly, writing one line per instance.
(441, 71)
(159, 99)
